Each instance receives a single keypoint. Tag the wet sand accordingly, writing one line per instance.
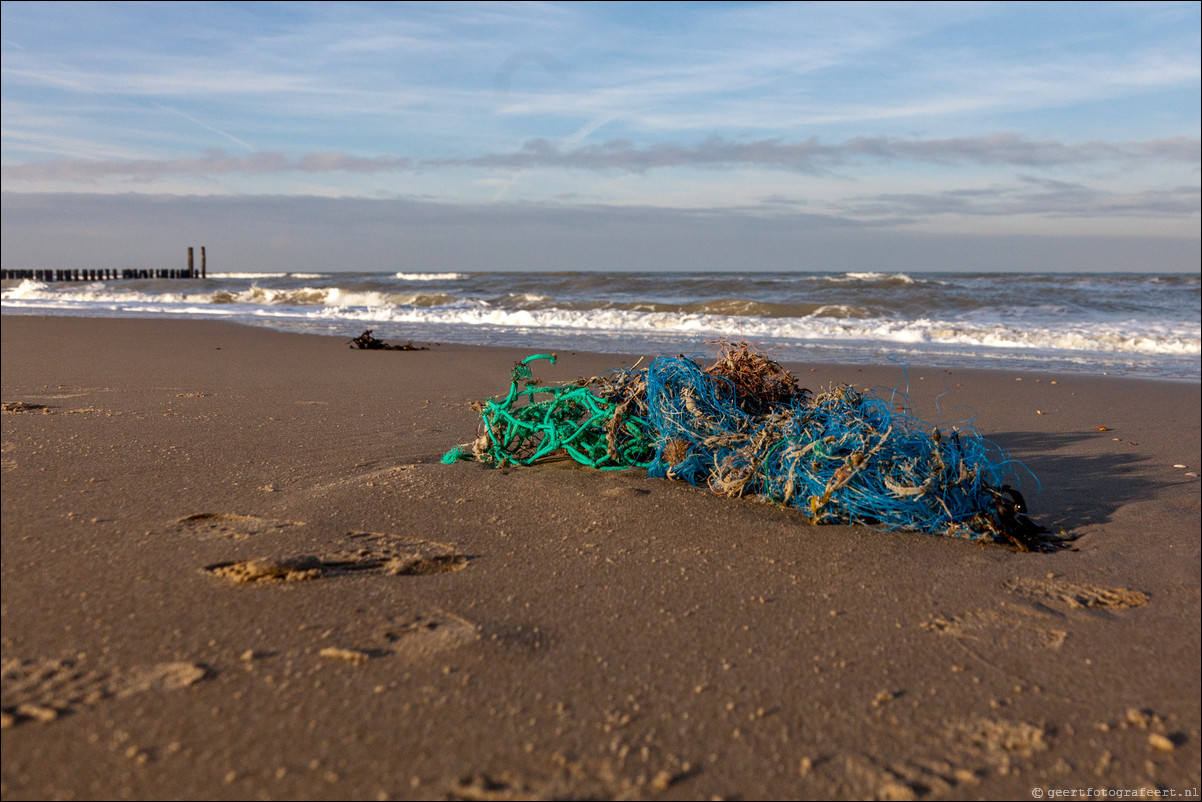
(233, 567)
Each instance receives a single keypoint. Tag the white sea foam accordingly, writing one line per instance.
(901, 278)
(1095, 337)
(115, 296)
(839, 311)
(528, 298)
(430, 276)
(26, 289)
(1047, 323)
(440, 309)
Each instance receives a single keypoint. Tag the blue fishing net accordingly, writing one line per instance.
(742, 427)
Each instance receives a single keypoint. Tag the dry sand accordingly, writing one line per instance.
(233, 567)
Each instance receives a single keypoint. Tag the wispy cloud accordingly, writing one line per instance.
(214, 129)
(718, 68)
(214, 162)
(809, 156)
(870, 114)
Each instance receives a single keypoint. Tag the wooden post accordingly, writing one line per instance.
(189, 260)
(202, 262)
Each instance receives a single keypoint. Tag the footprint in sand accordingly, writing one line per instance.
(229, 525)
(1075, 595)
(17, 407)
(956, 759)
(1029, 627)
(44, 690)
(564, 778)
(1036, 625)
(419, 636)
(269, 569)
(414, 637)
(74, 392)
(362, 552)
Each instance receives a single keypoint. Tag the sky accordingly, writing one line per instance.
(603, 136)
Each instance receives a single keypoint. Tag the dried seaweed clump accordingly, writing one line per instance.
(367, 342)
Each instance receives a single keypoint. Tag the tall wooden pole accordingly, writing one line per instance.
(189, 260)
(202, 262)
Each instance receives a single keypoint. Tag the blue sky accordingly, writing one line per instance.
(1012, 123)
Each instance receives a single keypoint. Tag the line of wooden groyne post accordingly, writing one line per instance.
(106, 274)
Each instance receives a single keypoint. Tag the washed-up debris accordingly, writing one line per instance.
(15, 407)
(743, 427)
(366, 342)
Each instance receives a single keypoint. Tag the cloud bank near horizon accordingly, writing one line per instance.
(809, 156)
(310, 234)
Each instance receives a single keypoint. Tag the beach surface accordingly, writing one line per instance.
(233, 567)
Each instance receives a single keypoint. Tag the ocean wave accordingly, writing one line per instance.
(733, 307)
(821, 324)
(254, 276)
(527, 298)
(247, 275)
(896, 278)
(111, 295)
(742, 307)
(349, 298)
(1099, 338)
(430, 276)
(1114, 320)
(27, 288)
(726, 307)
(840, 310)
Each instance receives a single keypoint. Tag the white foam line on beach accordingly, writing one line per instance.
(1007, 327)
(1141, 339)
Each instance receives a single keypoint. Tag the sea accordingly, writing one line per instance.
(1137, 325)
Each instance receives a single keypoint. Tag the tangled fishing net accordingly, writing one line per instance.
(743, 427)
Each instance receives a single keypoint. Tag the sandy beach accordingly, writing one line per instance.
(233, 567)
